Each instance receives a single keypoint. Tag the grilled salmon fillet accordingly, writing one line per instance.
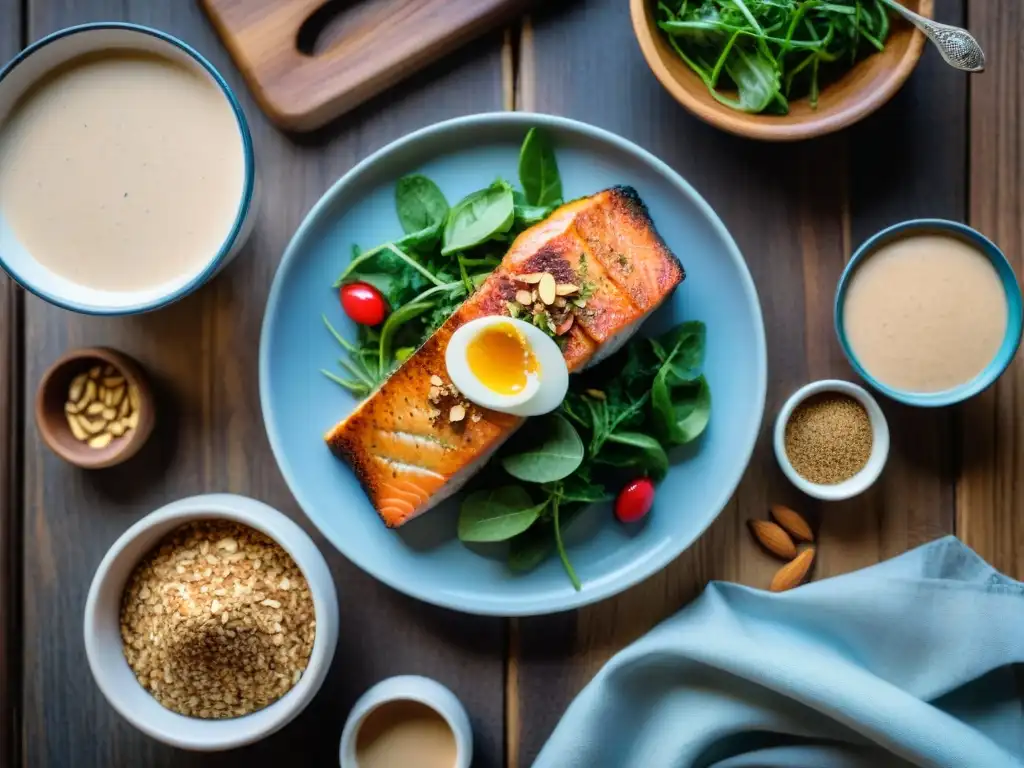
(400, 442)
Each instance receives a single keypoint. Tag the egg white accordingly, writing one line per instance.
(544, 391)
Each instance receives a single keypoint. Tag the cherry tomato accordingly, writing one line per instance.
(363, 303)
(634, 500)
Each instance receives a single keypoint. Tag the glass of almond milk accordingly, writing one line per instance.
(127, 173)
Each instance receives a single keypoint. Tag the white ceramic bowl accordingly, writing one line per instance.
(410, 688)
(879, 448)
(28, 68)
(103, 645)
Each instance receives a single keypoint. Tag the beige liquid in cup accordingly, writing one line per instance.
(405, 733)
(925, 313)
(122, 171)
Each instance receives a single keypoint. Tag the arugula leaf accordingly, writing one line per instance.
(420, 203)
(479, 217)
(538, 170)
(744, 45)
(497, 514)
(557, 456)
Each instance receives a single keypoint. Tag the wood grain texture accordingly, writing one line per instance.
(10, 459)
(990, 490)
(372, 45)
(795, 211)
(201, 355)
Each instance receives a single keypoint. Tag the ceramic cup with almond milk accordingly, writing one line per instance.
(127, 173)
(929, 312)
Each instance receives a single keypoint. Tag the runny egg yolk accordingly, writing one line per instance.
(501, 359)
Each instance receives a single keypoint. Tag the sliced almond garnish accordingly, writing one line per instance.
(436, 380)
(546, 289)
(109, 414)
(116, 429)
(566, 289)
(524, 298)
(560, 302)
(101, 441)
(94, 408)
(532, 278)
(457, 413)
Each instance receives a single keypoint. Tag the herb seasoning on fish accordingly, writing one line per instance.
(829, 438)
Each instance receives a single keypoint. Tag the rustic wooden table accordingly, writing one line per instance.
(946, 147)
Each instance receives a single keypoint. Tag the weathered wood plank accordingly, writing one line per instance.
(795, 211)
(10, 455)
(202, 354)
(990, 490)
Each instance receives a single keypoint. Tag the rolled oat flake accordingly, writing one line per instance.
(217, 620)
(829, 438)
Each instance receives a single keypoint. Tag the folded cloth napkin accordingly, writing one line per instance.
(913, 662)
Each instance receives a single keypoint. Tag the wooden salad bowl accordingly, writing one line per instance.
(859, 92)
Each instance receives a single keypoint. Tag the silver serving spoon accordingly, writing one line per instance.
(957, 46)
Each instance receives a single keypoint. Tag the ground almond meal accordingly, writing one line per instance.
(217, 621)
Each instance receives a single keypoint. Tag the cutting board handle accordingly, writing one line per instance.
(379, 43)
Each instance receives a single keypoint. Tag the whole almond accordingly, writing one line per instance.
(794, 524)
(773, 538)
(793, 573)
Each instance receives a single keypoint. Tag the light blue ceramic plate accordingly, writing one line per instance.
(1014, 314)
(424, 559)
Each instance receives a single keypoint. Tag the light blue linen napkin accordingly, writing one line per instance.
(918, 661)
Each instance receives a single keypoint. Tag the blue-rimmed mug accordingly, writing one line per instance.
(27, 69)
(1011, 338)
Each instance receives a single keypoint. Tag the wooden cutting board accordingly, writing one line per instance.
(303, 79)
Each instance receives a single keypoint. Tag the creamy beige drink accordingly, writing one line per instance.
(122, 171)
(925, 313)
(405, 733)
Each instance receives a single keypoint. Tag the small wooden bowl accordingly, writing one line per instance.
(863, 89)
(52, 395)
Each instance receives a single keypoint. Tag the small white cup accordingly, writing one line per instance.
(103, 645)
(879, 445)
(410, 688)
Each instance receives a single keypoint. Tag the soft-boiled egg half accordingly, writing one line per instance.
(507, 365)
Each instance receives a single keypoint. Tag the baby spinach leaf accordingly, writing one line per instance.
(497, 514)
(420, 203)
(635, 450)
(682, 407)
(478, 218)
(557, 455)
(532, 547)
(538, 170)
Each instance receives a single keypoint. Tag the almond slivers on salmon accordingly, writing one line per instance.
(406, 457)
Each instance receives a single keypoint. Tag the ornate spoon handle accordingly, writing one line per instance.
(957, 46)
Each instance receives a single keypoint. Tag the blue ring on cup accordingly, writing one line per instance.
(247, 192)
(1014, 319)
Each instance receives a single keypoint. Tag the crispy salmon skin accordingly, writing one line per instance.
(402, 443)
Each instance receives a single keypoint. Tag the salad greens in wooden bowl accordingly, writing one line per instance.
(778, 69)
